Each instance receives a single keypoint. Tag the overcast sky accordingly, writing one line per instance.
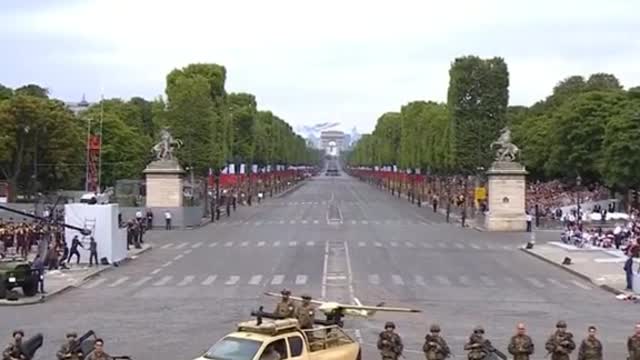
(311, 62)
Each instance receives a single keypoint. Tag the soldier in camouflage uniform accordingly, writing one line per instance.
(14, 351)
(477, 350)
(390, 343)
(633, 344)
(64, 353)
(560, 344)
(591, 347)
(305, 313)
(521, 345)
(435, 347)
(98, 352)
(286, 308)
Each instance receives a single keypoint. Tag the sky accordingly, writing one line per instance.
(345, 61)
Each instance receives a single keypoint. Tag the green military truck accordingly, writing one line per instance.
(17, 273)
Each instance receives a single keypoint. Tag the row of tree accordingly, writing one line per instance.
(588, 127)
(43, 143)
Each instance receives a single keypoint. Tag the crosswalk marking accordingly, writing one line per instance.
(378, 244)
(292, 243)
(255, 280)
(459, 246)
(409, 244)
(229, 244)
(187, 280)
(487, 281)
(166, 246)
(394, 244)
(443, 280)
(316, 221)
(365, 222)
(420, 280)
(209, 280)
(244, 244)
(281, 221)
(93, 284)
(119, 281)
(397, 279)
(184, 244)
(196, 245)
(353, 222)
(277, 280)
(292, 222)
(427, 246)
(141, 281)
(261, 244)
(178, 257)
(557, 283)
(581, 285)
(310, 243)
(374, 279)
(163, 281)
(258, 223)
(535, 282)
(464, 280)
(304, 221)
(377, 222)
(277, 243)
(155, 271)
(301, 279)
(233, 279)
(475, 246)
(213, 244)
(361, 243)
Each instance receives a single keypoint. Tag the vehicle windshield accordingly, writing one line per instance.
(231, 348)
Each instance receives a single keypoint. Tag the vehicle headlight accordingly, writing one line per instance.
(12, 279)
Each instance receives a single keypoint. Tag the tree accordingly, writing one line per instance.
(619, 165)
(33, 90)
(5, 92)
(388, 133)
(242, 109)
(603, 81)
(478, 96)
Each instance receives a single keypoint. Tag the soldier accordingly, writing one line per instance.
(65, 350)
(14, 350)
(285, 308)
(98, 352)
(560, 344)
(633, 344)
(305, 313)
(390, 343)
(477, 350)
(520, 346)
(591, 347)
(435, 347)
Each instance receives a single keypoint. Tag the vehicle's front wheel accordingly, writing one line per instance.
(3, 289)
(30, 286)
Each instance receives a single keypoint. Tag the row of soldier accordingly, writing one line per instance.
(70, 349)
(305, 312)
(559, 345)
(21, 236)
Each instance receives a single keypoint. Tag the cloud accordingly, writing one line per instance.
(309, 62)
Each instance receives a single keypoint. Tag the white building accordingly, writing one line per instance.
(332, 141)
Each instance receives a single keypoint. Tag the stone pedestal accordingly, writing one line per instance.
(507, 191)
(164, 184)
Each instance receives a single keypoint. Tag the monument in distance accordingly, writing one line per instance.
(507, 188)
(164, 176)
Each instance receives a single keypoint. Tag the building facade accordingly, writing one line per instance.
(332, 141)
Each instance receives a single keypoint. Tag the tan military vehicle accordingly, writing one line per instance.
(283, 339)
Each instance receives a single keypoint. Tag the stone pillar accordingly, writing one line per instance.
(507, 191)
(164, 183)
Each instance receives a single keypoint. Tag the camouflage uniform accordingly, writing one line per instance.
(95, 356)
(64, 352)
(435, 347)
(633, 346)
(390, 343)
(14, 350)
(521, 347)
(305, 313)
(286, 308)
(560, 344)
(475, 345)
(590, 349)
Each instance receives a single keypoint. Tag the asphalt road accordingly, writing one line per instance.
(333, 237)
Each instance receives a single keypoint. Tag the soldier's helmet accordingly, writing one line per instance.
(16, 332)
(434, 328)
(478, 330)
(285, 292)
(72, 334)
(561, 324)
(389, 324)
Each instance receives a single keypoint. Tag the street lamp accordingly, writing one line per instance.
(578, 183)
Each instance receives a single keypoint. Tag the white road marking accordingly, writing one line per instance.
(509, 280)
(292, 243)
(168, 263)
(292, 222)
(301, 279)
(420, 280)
(365, 222)
(580, 285)
(353, 222)
(155, 271)
(464, 280)
(163, 281)
(214, 244)
(310, 243)
(443, 280)
(141, 281)
(376, 222)
(184, 244)
(475, 246)
(260, 243)
(196, 245)
(362, 243)
(316, 221)
(304, 221)
(209, 280)
(394, 244)
(409, 244)
(119, 281)
(187, 280)
(557, 283)
(178, 257)
(233, 279)
(378, 244)
(258, 223)
(459, 246)
(487, 281)
(397, 279)
(442, 245)
(188, 251)
(374, 279)
(166, 246)
(323, 291)
(535, 282)
(255, 280)
(277, 243)
(427, 246)
(277, 280)
(281, 222)
(244, 244)
(228, 244)
(93, 284)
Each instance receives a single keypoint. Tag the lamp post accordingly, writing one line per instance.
(578, 183)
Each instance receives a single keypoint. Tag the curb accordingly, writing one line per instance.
(68, 287)
(574, 272)
(287, 191)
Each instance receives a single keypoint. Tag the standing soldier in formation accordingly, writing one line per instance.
(475, 346)
(591, 347)
(560, 343)
(65, 352)
(435, 347)
(390, 343)
(305, 313)
(286, 308)
(521, 345)
(633, 344)
(14, 350)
